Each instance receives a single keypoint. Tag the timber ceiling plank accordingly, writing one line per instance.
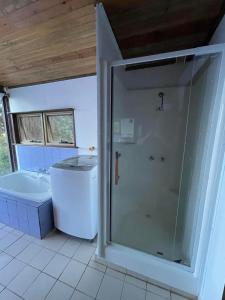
(47, 40)
(143, 25)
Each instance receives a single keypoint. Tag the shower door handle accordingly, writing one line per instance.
(117, 177)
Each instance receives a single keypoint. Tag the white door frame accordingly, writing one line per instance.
(165, 272)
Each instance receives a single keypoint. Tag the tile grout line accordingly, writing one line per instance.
(3, 250)
(70, 259)
(26, 288)
(104, 273)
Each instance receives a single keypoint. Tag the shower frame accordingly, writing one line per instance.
(180, 277)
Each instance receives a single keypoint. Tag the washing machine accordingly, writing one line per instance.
(74, 196)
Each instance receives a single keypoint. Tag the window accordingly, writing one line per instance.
(30, 127)
(60, 128)
(5, 165)
(51, 128)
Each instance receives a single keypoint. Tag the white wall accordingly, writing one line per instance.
(219, 34)
(107, 50)
(80, 94)
(195, 168)
(214, 276)
(160, 76)
(214, 272)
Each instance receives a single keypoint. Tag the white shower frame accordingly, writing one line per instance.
(163, 272)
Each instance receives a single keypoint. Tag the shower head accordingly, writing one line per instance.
(161, 107)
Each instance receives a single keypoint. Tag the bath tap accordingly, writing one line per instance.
(43, 171)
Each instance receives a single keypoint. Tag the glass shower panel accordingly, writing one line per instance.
(197, 147)
(149, 115)
(160, 118)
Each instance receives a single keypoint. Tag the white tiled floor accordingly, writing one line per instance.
(63, 268)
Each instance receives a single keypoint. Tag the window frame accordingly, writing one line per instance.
(19, 128)
(66, 112)
(43, 115)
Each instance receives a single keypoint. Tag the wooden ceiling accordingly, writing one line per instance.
(144, 27)
(47, 40)
(44, 40)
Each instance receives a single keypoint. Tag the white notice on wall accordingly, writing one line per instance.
(127, 128)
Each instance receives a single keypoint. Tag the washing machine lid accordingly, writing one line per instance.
(79, 163)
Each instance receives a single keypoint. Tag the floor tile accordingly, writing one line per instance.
(89, 243)
(40, 288)
(90, 282)
(72, 273)
(29, 253)
(131, 292)
(41, 260)
(1, 288)
(10, 271)
(57, 265)
(139, 283)
(54, 241)
(151, 296)
(4, 259)
(3, 233)
(116, 267)
(23, 280)
(177, 297)
(60, 291)
(17, 247)
(29, 237)
(2, 225)
(158, 291)
(115, 274)
(8, 228)
(17, 233)
(80, 296)
(95, 265)
(84, 253)
(70, 247)
(8, 295)
(7, 240)
(110, 289)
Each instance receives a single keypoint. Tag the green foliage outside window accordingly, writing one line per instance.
(4, 151)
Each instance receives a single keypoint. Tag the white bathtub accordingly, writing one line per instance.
(26, 185)
(25, 203)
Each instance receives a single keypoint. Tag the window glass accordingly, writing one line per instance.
(5, 165)
(60, 128)
(30, 128)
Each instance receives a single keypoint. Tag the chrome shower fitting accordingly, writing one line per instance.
(161, 107)
(151, 157)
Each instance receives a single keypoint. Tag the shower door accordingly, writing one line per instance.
(160, 114)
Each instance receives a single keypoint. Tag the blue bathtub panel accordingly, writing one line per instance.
(34, 230)
(22, 218)
(31, 217)
(46, 218)
(12, 207)
(22, 212)
(13, 221)
(4, 217)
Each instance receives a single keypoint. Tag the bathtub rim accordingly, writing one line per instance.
(35, 197)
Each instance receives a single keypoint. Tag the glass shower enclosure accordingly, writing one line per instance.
(161, 133)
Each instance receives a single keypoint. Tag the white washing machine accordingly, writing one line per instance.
(74, 196)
